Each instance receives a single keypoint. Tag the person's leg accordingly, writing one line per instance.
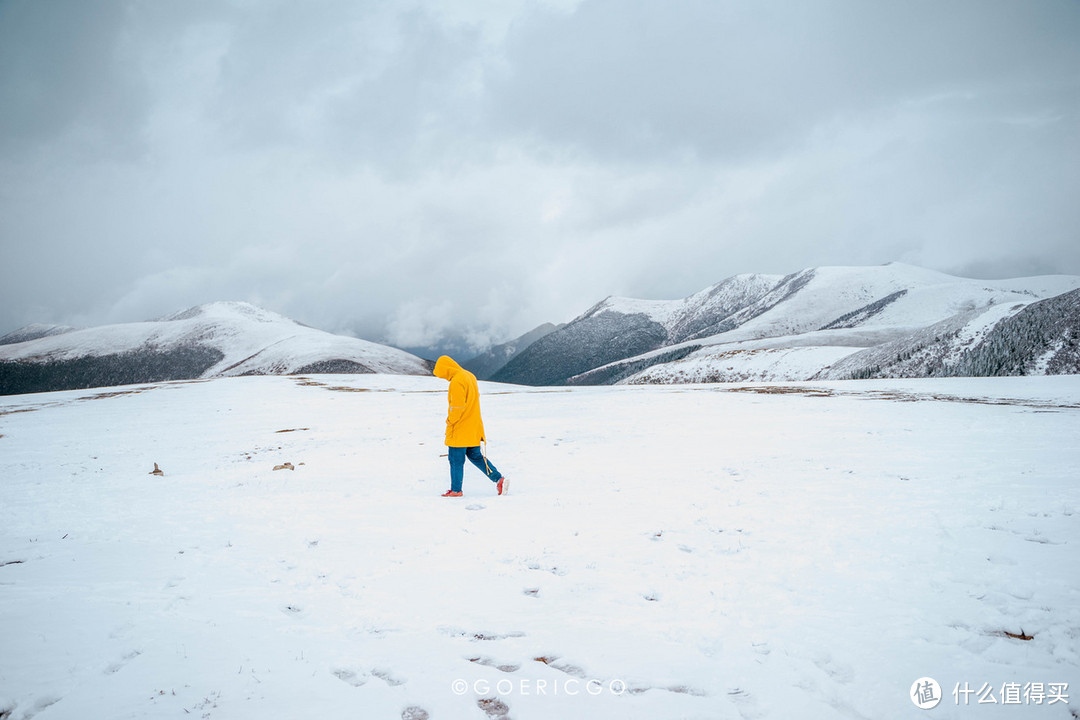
(477, 459)
(457, 467)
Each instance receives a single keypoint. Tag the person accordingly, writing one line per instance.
(464, 427)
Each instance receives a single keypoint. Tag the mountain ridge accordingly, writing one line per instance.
(802, 327)
(212, 340)
(494, 358)
(617, 328)
(828, 322)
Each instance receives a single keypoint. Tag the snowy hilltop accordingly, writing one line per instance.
(826, 322)
(214, 340)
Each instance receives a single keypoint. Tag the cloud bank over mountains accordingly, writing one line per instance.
(406, 173)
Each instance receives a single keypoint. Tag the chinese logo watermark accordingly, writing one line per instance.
(926, 693)
(1013, 693)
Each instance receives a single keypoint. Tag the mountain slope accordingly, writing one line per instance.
(926, 352)
(33, 332)
(898, 296)
(618, 328)
(1041, 339)
(493, 359)
(1019, 338)
(813, 324)
(214, 340)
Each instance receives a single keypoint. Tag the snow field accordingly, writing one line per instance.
(693, 551)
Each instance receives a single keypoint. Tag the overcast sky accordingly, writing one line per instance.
(407, 171)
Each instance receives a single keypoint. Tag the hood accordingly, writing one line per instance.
(445, 368)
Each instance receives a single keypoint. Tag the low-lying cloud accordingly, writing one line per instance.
(421, 175)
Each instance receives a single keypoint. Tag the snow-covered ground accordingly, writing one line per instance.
(729, 551)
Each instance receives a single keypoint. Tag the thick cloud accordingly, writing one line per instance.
(736, 80)
(411, 172)
(65, 68)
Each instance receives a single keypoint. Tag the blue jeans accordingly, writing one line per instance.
(457, 465)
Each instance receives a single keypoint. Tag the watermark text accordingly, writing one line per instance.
(568, 687)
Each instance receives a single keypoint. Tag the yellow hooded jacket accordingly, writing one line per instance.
(464, 428)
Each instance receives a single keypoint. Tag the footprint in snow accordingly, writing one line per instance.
(497, 636)
(838, 671)
(553, 661)
(349, 676)
(387, 677)
(414, 712)
(489, 662)
(494, 708)
(474, 506)
(39, 705)
(745, 703)
(553, 569)
(685, 690)
(119, 664)
(458, 632)
(677, 689)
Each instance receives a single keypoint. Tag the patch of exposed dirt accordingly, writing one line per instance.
(900, 396)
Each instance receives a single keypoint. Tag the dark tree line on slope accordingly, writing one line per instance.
(1016, 344)
(1042, 338)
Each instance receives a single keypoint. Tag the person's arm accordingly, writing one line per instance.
(458, 397)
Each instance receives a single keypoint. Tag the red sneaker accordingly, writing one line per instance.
(451, 493)
(503, 485)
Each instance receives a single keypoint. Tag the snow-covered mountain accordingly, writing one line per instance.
(617, 328)
(213, 340)
(33, 332)
(1041, 339)
(494, 358)
(811, 324)
(1038, 338)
